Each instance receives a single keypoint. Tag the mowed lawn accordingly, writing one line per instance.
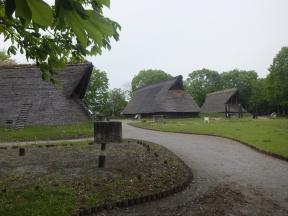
(31, 133)
(270, 135)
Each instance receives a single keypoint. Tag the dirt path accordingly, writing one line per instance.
(229, 178)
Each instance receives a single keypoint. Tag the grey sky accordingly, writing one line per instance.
(180, 36)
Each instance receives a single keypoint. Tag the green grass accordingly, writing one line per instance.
(46, 132)
(270, 135)
(45, 201)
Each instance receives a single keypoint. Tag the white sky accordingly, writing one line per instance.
(179, 36)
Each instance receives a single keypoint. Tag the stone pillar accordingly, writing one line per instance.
(107, 131)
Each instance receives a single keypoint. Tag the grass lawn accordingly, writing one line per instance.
(46, 132)
(270, 135)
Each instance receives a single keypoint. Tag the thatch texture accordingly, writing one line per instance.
(167, 97)
(50, 104)
(215, 102)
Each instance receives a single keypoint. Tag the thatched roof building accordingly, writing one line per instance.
(222, 102)
(25, 99)
(166, 98)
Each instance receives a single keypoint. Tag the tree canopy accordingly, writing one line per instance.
(117, 101)
(5, 59)
(201, 82)
(53, 35)
(146, 77)
(240, 79)
(277, 80)
(97, 93)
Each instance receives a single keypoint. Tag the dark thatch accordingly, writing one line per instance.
(26, 99)
(217, 101)
(167, 97)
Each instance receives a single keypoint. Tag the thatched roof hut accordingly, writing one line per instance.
(25, 99)
(222, 101)
(166, 98)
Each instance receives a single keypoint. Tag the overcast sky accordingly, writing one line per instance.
(179, 36)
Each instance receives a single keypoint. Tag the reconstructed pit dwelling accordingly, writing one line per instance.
(167, 98)
(25, 99)
(225, 101)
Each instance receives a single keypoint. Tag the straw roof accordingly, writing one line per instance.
(163, 97)
(50, 104)
(215, 101)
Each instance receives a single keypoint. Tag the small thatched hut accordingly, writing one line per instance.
(224, 101)
(25, 99)
(166, 98)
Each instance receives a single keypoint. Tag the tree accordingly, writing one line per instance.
(52, 36)
(258, 102)
(146, 77)
(97, 93)
(117, 101)
(201, 82)
(277, 81)
(240, 79)
(5, 59)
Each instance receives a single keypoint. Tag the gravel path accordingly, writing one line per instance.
(229, 178)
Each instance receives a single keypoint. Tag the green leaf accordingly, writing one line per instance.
(23, 10)
(10, 8)
(79, 8)
(76, 24)
(2, 11)
(100, 23)
(105, 2)
(42, 13)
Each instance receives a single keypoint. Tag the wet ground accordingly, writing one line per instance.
(229, 178)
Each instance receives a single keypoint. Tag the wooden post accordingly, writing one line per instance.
(240, 111)
(229, 110)
(103, 146)
(21, 151)
(107, 132)
(101, 163)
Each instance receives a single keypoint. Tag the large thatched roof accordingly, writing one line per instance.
(164, 97)
(50, 104)
(215, 101)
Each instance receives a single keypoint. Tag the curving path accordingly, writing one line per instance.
(229, 178)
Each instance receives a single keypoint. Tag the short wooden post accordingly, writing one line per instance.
(107, 132)
(240, 111)
(103, 146)
(21, 151)
(101, 163)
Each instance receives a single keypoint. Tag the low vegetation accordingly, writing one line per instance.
(270, 135)
(31, 133)
(59, 179)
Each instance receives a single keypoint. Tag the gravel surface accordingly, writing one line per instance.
(229, 178)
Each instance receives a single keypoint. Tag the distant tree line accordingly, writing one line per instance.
(258, 95)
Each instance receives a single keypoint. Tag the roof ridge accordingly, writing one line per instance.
(223, 91)
(162, 81)
(17, 66)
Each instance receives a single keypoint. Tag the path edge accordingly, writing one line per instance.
(274, 155)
